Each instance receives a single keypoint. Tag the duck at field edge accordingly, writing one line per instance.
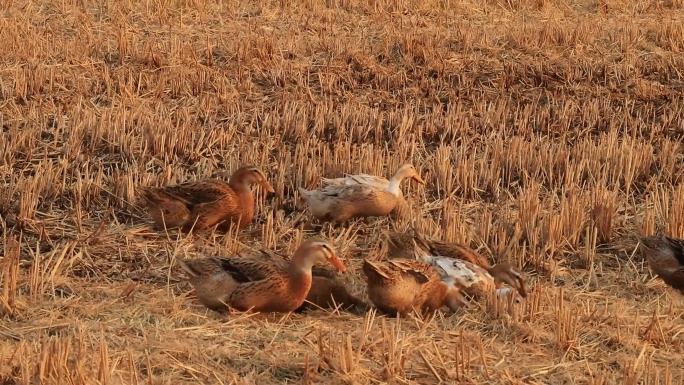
(665, 257)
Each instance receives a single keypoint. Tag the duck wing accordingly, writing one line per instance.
(282, 260)
(462, 271)
(456, 251)
(196, 192)
(422, 273)
(677, 247)
(394, 269)
(242, 270)
(346, 191)
(370, 180)
(245, 270)
(449, 250)
(354, 179)
(332, 181)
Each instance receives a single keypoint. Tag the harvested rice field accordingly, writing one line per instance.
(548, 133)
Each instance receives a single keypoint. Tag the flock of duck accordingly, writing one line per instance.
(419, 273)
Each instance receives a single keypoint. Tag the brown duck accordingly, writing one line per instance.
(257, 284)
(326, 291)
(401, 285)
(457, 263)
(665, 257)
(202, 204)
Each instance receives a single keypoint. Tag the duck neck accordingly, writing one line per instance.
(300, 273)
(239, 185)
(245, 196)
(493, 273)
(394, 184)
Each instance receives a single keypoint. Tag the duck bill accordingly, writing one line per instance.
(521, 290)
(418, 179)
(267, 186)
(337, 263)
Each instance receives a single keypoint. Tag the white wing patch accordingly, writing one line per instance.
(463, 273)
(371, 180)
(340, 192)
(358, 179)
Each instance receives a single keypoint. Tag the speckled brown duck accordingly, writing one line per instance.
(401, 285)
(341, 203)
(202, 204)
(327, 291)
(458, 264)
(258, 284)
(665, 257)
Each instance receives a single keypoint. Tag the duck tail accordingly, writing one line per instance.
(373, 270)
(187, 267)
(147, 195)
(331, 182)
(304, 192)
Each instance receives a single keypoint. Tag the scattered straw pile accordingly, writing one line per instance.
(549, 133)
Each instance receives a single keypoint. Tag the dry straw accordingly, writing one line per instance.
(548, 132)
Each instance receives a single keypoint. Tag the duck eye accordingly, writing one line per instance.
(327, 248)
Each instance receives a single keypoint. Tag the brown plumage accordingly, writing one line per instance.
(326, 289)
(256, 283)
(342, 203)
(457, 264)
(401, 245)
(476, 281)
(399, 286)
(202, 204)
(665, 257)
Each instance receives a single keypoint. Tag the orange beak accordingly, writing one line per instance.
(418, 179)
(337, 263)
(267, 186)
